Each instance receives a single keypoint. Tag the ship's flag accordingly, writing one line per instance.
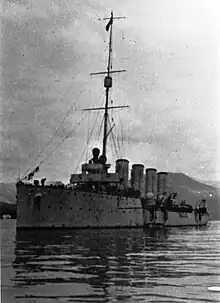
(30, 176)
(110, 22)
(36, 169)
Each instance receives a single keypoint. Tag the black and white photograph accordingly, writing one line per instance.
(110, 151)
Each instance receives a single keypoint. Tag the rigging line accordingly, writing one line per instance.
(114, 144)
(80, 159)
(102, 121)
(122, 135)
(88, 135)
(86, 147)
(118, 144)
(118, 151)
(112, 149)
(97, 117)
(51, 138)
(116, 138)
(58, 145)
(100, 129)
(97, 135)
(129, 128)
(113, 139)
(66, 137)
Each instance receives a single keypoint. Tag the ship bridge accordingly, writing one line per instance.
(95, 172)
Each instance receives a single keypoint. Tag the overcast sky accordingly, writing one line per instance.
(170, 51)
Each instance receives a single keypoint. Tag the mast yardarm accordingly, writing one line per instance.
(108, 83)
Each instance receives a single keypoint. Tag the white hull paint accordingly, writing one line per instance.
(66, 208)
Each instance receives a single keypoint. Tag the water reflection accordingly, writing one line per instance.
(107, 265)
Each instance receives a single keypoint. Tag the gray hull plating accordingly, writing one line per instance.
(46, 207)
(174, 219)
(75, 209)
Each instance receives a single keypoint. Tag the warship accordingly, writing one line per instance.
(97, 198)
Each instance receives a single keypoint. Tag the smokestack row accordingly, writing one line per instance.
(154, 182)
(137, 177)
(151, 180)
(122, 169)
(162, 182)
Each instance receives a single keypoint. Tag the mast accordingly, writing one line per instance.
(107, 84)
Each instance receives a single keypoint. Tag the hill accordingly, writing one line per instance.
(8, 192)
(192, 190)
(212, 183)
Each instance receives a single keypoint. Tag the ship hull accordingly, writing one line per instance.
(157, 218)
(46, 207)
(50, 207)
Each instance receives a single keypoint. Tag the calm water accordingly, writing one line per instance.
(174, 265)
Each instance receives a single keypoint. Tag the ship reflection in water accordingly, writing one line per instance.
(173, 265)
